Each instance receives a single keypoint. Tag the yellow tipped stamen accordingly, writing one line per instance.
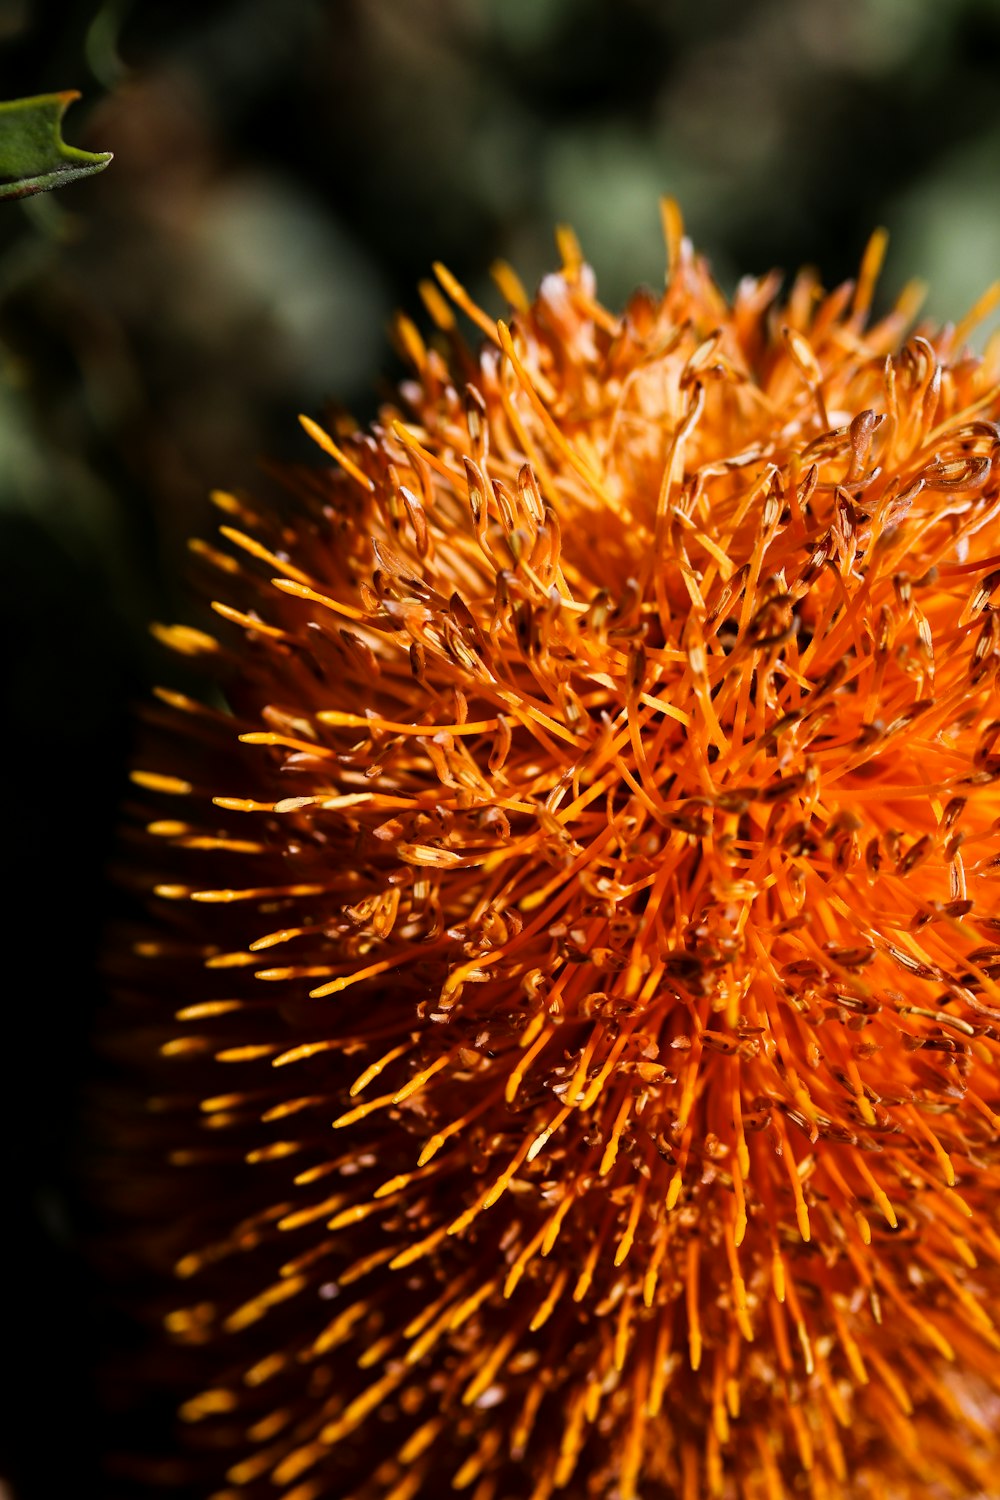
(154, 781)
(569, 250)
(249, 622)
(628, 1238)
(673, 234)
(977, 314)
(553, 1299)
(454, 289)
(739, 1285)
(517, 1073)
(691, 1303)
(250, 544)
(417, 1082)
(611, 1150)
(879, 1194)
(325, 441)
(374, 1069)
(389, 726)
(185, 640)
(300, 589)
(871, 265)
(337, 985)
(510, 285)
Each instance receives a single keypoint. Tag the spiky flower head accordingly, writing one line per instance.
(582, 924)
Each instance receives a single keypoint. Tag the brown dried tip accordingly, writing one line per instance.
(613, 781)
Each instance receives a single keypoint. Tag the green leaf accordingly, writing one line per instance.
(33, 155)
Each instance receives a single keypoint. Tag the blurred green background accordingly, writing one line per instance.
(285, 172)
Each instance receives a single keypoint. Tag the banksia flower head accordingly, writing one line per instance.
(582, 925)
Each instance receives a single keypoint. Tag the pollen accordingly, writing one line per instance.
(612, 756)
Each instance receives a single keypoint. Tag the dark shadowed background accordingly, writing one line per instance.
(285, 172)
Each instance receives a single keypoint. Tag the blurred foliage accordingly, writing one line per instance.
(33, 155)
(285, 173)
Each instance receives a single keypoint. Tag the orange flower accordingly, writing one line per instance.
(582, 927)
